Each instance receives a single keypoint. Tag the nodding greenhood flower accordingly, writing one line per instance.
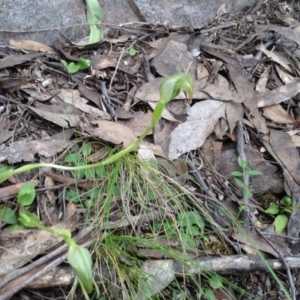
(80, 260)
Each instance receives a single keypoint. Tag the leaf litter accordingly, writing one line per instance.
(245, 73)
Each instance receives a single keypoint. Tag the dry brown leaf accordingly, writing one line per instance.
(277, 114)
(33, 243)
(253, 237)
(112, 132)
(25, 150)
(285, 76)
(202, 72)
(156, 149)
(31, 46)
(279, 95)
(172, 52)
(40, 96)
(73, 97)
(100, 62)
(14, 60)
(294, 134)
(139, 122)
(262, 82)
(285, 149)
(10, 85)
(165, 114)
(276, 57)
(287, 32)
(199, 125)
(47, 112)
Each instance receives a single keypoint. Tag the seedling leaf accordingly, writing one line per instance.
(242, 163)
(26, 194)
(7, 216)
(273, 209)
(236, 174)
(239, 182)
(73, 68)
(193, 231)
(253, 172)
(188, 242)
(71, 158)
(29, 220)
(132, 52)
(83, 63)
(286, 201)
(280, 223)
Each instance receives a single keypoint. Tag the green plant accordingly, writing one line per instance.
(281, 211)
(169, 89)
(94, 17)
(246, 171)
(72, 67)
(132, 52)
(188, 226)
(25, 198)
(78, 257)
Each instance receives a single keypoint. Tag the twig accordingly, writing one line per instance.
(223, 265)
(116, 69)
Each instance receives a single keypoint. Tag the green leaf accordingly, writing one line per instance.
(4, 169)
(29, 220)
(188, 242)
(239, 183)
(26, 194)
(100, 171)
(94, 193)
(132, 52)
(171, 86)
(83, 63)
(72, 158)
(209, 294)
(215, 282)
(17, 227)
(169, 229)
(272, 209)
(73, 195)
(242, 163)
(189, 218)
(7, 215)
(280, 223)
(253, 172)
(193, 231)
(247, 193)
(80, 260)
(73, 68)
(236, 174)
(286, 201)
(86, 149)
(94, 19)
